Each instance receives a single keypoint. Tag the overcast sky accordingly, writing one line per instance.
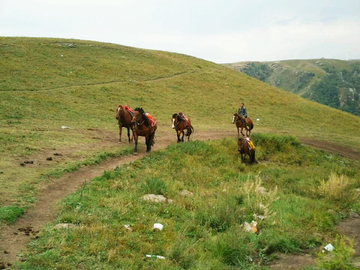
(222, 31)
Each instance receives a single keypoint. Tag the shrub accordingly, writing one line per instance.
(337, 188)
(256, 198)
(153, 185)
(9, 214)
(339, 258)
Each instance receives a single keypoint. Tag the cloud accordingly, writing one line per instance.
(295, 40)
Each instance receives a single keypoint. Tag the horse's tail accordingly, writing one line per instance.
(189, 131)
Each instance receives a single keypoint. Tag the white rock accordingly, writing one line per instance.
(186, 193)
(156, 198)
(64, 226)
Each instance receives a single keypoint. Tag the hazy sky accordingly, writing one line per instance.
(221, 31)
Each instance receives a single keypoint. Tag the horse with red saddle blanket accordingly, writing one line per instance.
(124, 116)
(144, 125)
(180, 122)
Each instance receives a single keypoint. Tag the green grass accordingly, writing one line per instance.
(9, 214)
(203, 231)
(40, 91)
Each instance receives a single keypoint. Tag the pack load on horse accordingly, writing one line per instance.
(124, 116)
(180, 122)
(246, 147)
(144, 125)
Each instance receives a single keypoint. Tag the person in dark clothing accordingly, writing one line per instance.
(242, 111)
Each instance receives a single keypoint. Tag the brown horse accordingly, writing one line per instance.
(143, 127)
(240, 123)
(180, 124)
(244, 148)
(124, 120)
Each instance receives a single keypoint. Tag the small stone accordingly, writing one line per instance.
(64, 226)
(156, 198)
(186, 193)
(49, 158)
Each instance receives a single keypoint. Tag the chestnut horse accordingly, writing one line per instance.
(244, 148)
(180, 125)
(124, 120)
(143, 127)
(239, 121)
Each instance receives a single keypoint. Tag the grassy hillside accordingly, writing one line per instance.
(335, 83)
(296, 194)
(50, 83)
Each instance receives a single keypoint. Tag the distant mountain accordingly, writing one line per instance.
(335, 83)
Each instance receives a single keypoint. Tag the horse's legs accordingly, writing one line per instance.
(178, 135)
(238, 132)
(120, 131)
(148, 143)
(128, 133)
(242, 157)
(132, 131)
(242, 132)
(183, 134)
(136, 143)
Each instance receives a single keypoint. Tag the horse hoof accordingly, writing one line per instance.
(135, 153)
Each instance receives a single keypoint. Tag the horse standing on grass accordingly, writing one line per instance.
(180, 123)
(124, 117)
(144, 125)
(240, 123)
(246, 147)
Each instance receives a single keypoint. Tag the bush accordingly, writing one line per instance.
(153, 185)
(9, 214)
(339, 258)
(337, 188)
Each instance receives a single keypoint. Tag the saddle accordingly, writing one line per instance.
(251, 144)
(152, 121)
(185, 118)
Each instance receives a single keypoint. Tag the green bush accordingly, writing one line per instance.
(9, 214)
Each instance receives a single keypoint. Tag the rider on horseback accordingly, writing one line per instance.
(242, 111)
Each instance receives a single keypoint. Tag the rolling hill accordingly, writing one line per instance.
(335, 83)
(59, 96)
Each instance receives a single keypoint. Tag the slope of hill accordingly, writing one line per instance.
(335, 83)
(50, 83)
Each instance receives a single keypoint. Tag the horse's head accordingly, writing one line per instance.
(119, 109)
(174, 118)
(235, 117)
(140, 117)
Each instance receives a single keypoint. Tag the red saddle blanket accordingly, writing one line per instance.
(127, 108)
(188, 120)
(151, 119)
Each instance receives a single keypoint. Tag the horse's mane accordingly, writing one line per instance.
(142, 112)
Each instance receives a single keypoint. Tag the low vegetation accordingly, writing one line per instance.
(293, 192)
(51, 83)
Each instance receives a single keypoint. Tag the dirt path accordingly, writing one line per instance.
(332, 147)
(14, 238)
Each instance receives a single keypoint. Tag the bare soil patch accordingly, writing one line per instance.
(333, 148)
